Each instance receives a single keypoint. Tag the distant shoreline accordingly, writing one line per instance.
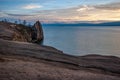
(117, 23)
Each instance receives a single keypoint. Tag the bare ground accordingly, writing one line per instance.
(28, 61)
(16, 69)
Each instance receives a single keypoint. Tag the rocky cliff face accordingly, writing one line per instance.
(37, 34)
(15, 32)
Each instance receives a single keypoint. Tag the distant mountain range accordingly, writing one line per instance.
(117, 23)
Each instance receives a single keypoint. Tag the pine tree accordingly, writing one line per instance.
(24, 22)
(16, 22)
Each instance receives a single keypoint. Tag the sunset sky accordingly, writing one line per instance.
(49, 11)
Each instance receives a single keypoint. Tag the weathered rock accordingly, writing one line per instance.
(37, 34)
(18, 32)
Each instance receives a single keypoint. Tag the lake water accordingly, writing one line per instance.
(84, 40)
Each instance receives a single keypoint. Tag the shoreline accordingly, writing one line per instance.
(30, 61)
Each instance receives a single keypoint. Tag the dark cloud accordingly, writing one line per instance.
(18, 15)
(110, 6)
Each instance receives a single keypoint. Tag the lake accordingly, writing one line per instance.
(83, 40)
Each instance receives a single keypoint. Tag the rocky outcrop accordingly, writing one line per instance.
(19, 32)
(28, 61)
(21, 60)
(37, 34)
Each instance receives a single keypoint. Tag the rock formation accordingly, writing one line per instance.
(29, 61)
(37, 34)
(18, 32)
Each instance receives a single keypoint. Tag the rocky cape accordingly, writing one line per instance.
(22, 33)
(22, 59)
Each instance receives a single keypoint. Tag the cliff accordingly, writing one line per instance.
(22, 33)
(29, 61)
(37, 32)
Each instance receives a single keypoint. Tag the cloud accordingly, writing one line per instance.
(104, 12)
(85, 8)
(18, 15)
(110, 6)
(2, 14)
(32, 6)
(101, 12)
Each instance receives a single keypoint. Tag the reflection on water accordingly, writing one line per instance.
(84, 40)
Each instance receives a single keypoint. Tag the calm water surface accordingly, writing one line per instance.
(84, 40)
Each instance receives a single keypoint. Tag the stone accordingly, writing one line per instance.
(37, 34)
(22, 33)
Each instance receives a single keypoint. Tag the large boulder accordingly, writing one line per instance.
(37, 34)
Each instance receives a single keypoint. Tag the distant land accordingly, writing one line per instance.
(116, 23)
(80, 23)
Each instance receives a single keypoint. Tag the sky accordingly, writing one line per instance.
(67, 11)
